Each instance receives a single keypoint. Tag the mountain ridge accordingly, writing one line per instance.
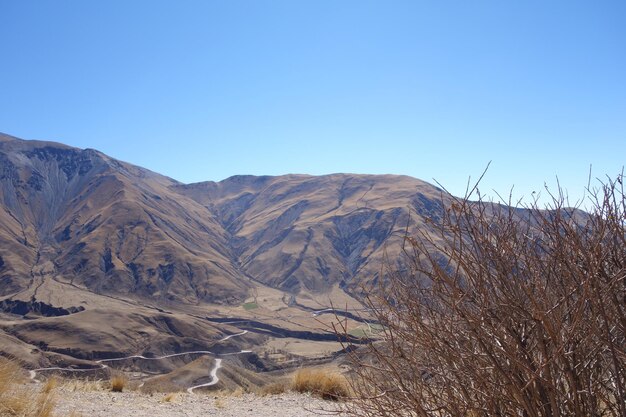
(100, 258)
(242, 224)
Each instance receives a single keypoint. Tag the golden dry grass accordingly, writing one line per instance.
(237, 392)
(16, 400)
(273, 389)
(169, 398)
(50, 385)
(118, 382)
(83, 385)
(325, 384)
(219, 403)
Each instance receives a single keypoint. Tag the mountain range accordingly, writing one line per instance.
(84, 218)
(101, 257)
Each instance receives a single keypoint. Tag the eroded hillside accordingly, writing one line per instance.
(101, 259)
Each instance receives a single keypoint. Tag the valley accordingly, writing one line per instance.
(102, 260)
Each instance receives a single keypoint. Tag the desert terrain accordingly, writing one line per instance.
(106, 266)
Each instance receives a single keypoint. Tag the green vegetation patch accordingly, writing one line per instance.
(250, 306)
(376, 328)
(366, 331)
(360, 333)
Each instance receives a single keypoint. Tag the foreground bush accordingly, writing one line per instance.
(118, 382)
(16, 400)
(327, 385)
(503, 312)
(273, 389)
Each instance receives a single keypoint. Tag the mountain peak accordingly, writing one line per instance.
(118, 258)
(111, 226)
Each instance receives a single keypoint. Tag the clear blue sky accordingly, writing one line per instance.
(201, 90)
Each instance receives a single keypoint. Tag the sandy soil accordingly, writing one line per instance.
(104, 403)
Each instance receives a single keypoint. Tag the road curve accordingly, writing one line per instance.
(214, 379)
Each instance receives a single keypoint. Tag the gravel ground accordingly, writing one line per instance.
(105, 403)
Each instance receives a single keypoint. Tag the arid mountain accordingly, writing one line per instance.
(100, 258)
(83, 218)
(301, 233)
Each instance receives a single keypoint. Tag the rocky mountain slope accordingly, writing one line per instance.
(105, 265)
(102, 259)
(80, 217)
(306, 233)
(84, 218)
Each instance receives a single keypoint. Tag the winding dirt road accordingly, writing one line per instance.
(214, 378)
(213, 372)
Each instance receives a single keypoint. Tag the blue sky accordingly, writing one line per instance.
(201, 90)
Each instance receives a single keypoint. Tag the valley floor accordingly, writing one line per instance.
(106, 403)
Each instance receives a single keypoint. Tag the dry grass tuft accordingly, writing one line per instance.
(275, 388)
(8, 372)
(325, 384)
(219, 403)
(83, 385)
(237, 392)
(17, 401)
(50, 385)
(170, 398)
(118, 382)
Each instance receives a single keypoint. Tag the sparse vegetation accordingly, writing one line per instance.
(84, 385)
(364, 331)
(273, 389)
(219, 403)
(50, 384)
(15, 400)
(171, 397)
(503, 312)
(250, 306)
(325, 384)
(118, 382)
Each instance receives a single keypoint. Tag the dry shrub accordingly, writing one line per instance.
(83, 385)
(17, 400)
(171, 397)
(118, 382)
(275, 388)
(219, 403)
(238, 392)
(50, 385)
(325, 384)
(9, 370)
(497, 311)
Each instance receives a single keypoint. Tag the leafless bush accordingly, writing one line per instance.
(503, 312)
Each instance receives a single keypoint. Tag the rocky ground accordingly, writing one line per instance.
(105, 403)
